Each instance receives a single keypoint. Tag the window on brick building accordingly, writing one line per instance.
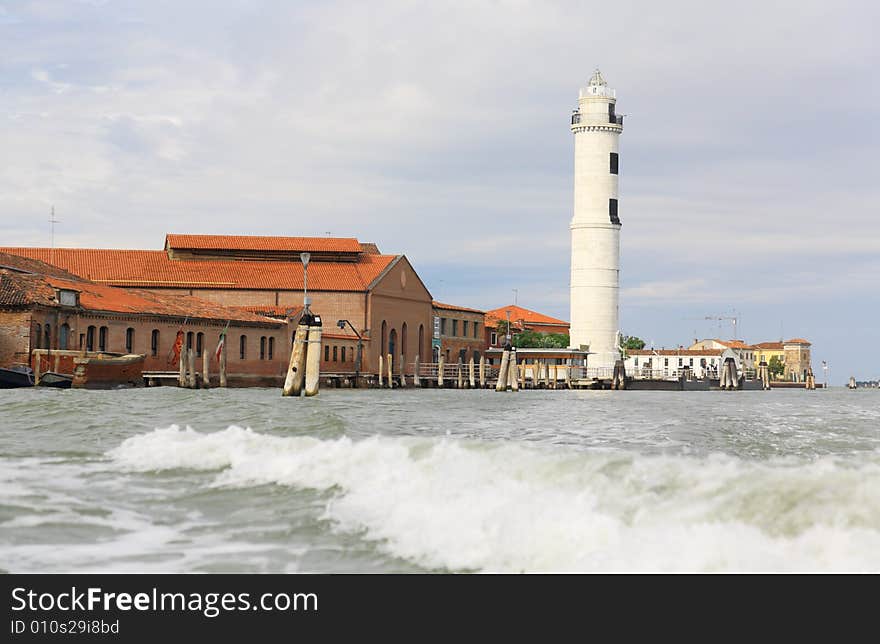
(342, 351)
(442, 326)
(455, 328)
(263, 348)
(242, 347)
(47, 336)
(90, 339)
(476, 329)
(64, 337)
(189, 339)
(38, 337)
(200, 344)
(493, 338)
(335, 353)
(464, 328)
(129, 340)
(326, 353)
(102, 338)
(154, 343)
(271, 348)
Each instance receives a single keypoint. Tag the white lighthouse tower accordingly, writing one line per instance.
(595, 226)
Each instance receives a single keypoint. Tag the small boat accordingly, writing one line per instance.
(18, 375)
(57, 380)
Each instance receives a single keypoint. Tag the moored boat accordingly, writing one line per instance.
(17, 375)
(57, 380)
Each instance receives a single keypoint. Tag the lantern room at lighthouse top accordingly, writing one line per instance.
(596, 103)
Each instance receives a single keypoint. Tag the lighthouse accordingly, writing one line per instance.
(595, 225)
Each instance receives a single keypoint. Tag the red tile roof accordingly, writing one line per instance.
(518, 313)
(452, 307)
(20, 289)
(153, 269)
(271, 243)
(797, 341)
(769, 346)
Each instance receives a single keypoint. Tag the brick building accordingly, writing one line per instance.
(42, 307)
(521, 319)
(797, 359)
(461, 333)
(380, 295)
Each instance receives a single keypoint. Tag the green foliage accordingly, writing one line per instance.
(776, 367)
(631, 342)
(535, 340)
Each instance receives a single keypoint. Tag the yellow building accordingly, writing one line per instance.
(764, 351)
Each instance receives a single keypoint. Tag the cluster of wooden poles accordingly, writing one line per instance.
(190, 378)
(304, 371)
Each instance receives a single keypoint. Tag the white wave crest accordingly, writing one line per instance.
(470, 505)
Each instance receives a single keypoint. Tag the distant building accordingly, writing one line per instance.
(459, 334)
(744, 352)
(797, 359)
(668, 363)
(521, 319)
(765, 351)
(42, 307)
(380, 295)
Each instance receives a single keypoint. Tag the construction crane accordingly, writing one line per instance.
(734, 319)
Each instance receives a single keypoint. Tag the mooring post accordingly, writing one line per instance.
(416, 381)
(223, 364)
(381, 368)
(181, 374)
(36, 368)
(568, 376)
(402, 364)
(313, 358)
(206, 357)
(513, 372)
(191, 367)
(482, 372)
(471, 373)
(390, 372)
(440, 366)
(501, 384)
(296, 369)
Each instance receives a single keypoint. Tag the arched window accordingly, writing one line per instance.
(422, 351)
(403, 339)
(384, 338)
(38, 337)
(64, 338)
(326, 353)
(154, 342)
(335, 353)
(102, 338)
(263, 347)
(129, 340)
(343, 355)
(190, 336)
(392, 344)
(47, 336)
(242, 347)
(200, 344)
(271, 348)
(90, 339)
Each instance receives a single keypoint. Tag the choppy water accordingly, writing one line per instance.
(370, 481)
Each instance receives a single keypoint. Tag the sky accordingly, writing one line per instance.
(748, 168)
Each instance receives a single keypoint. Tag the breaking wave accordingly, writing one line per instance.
(454, 504)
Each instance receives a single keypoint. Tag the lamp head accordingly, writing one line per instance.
(304, 258)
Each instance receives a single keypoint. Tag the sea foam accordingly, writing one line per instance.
(446, 503)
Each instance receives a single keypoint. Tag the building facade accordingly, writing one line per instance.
(380, 297)
(460, 333)
(797, 360)
(521, 319)
(595, 224)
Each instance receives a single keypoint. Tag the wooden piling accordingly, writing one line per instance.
(416, 381)
(37, 366)
(296, 369)
(402, 364)
(390, 367)
(313, 361)
(191, 368)
(482, 372)
(440, 366)
(460, 375)
(471, 380)
(546, 368)
(381, 368)
(223, 364)
(206, 358)
(181, 373)
(568, 376)
(513, 372)
(501, 385)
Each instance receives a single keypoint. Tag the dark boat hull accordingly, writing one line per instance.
(57, 380)
(15, 378)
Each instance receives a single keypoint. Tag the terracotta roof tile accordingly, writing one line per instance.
(769, 346)
(153, 269)
(270, 243)
(452, 307)
(518, 313)
(797, 341)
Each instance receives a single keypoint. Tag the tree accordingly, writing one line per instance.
(535, 340)
(776, 367)
(631, 342)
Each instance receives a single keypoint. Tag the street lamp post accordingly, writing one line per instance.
(360, 352)
(304, 258)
